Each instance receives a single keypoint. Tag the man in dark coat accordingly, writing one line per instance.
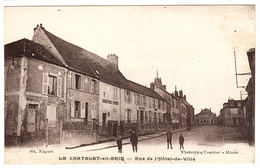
(134, 140)
(181, 141)
(169, 138)
(119, 144)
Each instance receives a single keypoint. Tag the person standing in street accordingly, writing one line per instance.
(134, 140)
(169, 138)
(119, 143)
(181, 141)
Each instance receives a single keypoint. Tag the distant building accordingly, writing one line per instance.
(205, 117)
(179, 113)
(231, 114)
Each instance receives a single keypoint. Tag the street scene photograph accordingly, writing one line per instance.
(129, 84)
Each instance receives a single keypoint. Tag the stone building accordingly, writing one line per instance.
(74, 95)
(35, 90)
(232, 113)
(205, 117)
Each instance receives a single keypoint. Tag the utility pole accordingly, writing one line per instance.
(248, 73)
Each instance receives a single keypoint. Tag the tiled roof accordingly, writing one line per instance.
(25, 47)
(135, 87)
(95, 66)
(87, 62)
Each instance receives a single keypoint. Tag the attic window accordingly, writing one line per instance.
(97, 72)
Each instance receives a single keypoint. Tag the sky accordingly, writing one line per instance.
(191, 46)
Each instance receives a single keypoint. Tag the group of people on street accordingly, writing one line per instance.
(134, 141)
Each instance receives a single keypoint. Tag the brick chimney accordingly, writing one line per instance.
(113, 58)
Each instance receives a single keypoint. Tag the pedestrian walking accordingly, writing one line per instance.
(134, 140)
(169, 138)
(119, 143)
(181, 141)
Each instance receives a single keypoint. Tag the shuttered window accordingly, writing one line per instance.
(45, 83)
(59, 86)
(73, 80)
(82, 112)
(69, 80)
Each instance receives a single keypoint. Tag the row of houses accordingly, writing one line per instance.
(58, 91)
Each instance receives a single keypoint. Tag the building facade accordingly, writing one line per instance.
(58, 91)
(205, 117)
(35, 92)
(232, 113)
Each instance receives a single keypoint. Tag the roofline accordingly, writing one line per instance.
(147, 88)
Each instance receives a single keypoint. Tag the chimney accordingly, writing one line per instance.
(176, 93)
(184, 97)
(164, 87)
(181, 93)
(34, 29)
(113, 59)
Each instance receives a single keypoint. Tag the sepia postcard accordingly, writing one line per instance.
(129, 84)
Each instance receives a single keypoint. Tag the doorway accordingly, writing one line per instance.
(104, 119)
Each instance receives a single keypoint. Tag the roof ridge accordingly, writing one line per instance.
(59, 38)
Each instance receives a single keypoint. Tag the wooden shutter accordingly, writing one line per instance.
(72, 109)
(125, 95)
(44, 83)
(72, 80)
(92, 110)
(82, 80)
(59, 86)
(82, 111)
(69, 80)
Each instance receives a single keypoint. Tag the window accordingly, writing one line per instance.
(115, 93)
(149, 101)
(128, 98)
(138, 99)
(153, 103)
(52, 85)
(77, 81)
(159, 104)
(144, 101)
(128, 115)
(150, 116)
(86, 84)
(93, 86)
(77, 109)
(155, 117)
(145, 116)
(137, 115)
